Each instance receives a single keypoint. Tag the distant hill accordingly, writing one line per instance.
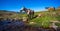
(5, 13)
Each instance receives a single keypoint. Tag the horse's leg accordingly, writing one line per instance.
(32, 15)
(28, 17)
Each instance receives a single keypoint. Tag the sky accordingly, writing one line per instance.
(36, 5)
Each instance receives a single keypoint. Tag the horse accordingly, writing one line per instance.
(30, 13)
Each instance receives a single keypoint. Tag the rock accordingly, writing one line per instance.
(39, 15)
(25, 19)
(32, 23)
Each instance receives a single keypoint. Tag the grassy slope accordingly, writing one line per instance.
(45, 20)
(41, 21)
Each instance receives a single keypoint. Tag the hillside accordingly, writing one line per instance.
(44, 20)
(6, 14)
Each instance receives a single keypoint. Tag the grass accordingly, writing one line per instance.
(44, 20)
(57, 24)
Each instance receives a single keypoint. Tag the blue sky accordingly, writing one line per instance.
(36, 5)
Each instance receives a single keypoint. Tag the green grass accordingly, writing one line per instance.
(44, 20)
(57, 24)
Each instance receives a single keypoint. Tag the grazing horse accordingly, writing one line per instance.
(30, 13)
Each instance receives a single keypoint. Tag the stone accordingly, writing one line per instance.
(32, 23)
(25, 19)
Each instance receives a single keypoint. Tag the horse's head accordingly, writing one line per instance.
(23, 9)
